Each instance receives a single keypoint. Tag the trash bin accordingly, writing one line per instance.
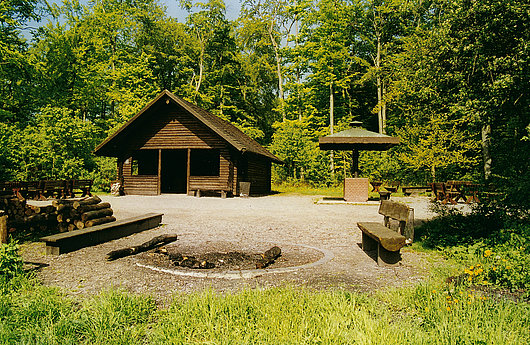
(244, 189)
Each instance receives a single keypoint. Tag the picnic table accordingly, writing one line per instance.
(454, 190)
(376, 185)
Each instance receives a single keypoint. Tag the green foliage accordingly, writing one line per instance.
(56, 145)
(293, 144)
(104, 175)
(428, 313)
(494, 247)
(10, 262)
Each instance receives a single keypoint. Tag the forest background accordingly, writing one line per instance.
(450, 78)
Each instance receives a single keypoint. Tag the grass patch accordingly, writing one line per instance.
(430, 313)
(305, 189)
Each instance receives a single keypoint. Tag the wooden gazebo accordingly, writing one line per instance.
(356, 139)
(173, 146)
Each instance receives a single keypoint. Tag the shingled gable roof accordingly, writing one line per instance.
(233, 135)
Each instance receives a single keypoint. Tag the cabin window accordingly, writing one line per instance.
(204, 162)
(144, 162)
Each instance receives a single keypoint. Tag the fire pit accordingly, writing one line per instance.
(229, 259)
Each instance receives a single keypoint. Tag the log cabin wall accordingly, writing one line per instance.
(259, 175)
(140, 184)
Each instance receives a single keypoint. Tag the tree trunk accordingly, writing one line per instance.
(96, 214)
(88, 208)
(268, 257)
(486, 150)
(153, 243)
(3, 228)
(88, 201)
(278, 70)
(99, 221)
(379, 85)
(331, 127)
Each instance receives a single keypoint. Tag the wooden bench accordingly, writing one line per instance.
(52, 188)
(69, 241)
(380, 237)
(409, 190)
(79, 185)
(390, 187)
(198, 191)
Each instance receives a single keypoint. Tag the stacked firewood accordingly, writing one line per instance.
(84, 213)
(24, 217)
(62, 214)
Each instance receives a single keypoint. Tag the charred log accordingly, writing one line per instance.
(151, 244)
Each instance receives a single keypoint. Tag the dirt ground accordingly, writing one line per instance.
(320, 247)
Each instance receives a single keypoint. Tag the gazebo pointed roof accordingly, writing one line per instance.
(357, 138)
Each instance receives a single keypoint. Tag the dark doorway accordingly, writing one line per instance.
(174, 171)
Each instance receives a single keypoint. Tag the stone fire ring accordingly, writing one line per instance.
(247, 274)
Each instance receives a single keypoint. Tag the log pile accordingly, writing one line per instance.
(62, 215)
(80, 214)
(27, 218)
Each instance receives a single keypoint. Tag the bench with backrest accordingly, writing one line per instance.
(84, 186)
(380, 237)
(54, 188)
(413, 190)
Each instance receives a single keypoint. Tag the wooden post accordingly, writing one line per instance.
(188, 172)
(3, 229)
(355, 164)
(159, 185)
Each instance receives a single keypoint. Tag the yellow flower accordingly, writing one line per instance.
(427, 309)
(471, 268)
(479, 271)
(508, 267)
(433, 291)
(455, 300)
(448, 309)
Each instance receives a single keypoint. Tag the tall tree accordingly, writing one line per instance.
(16, 69)
(269, 20)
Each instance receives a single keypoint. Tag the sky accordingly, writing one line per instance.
(173, 10)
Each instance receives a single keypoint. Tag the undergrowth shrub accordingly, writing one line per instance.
(492, 245)
(10, 261)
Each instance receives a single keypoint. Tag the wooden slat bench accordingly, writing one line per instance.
(198, 191)
(380, 237)
(54, 188)
(69, 241)
(409, 190)
(80, 185)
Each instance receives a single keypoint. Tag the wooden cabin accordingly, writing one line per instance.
(173, 146)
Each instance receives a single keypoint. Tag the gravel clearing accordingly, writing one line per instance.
(307, 232)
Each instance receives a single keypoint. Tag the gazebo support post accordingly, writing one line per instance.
(355, 164)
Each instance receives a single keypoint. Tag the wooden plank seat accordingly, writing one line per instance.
(390, 187)
(409, 190)
(6, 188)
(83, 186)
(380, 237)
(34, 189)
(69, 241)
(197, 192)
(54, 188)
